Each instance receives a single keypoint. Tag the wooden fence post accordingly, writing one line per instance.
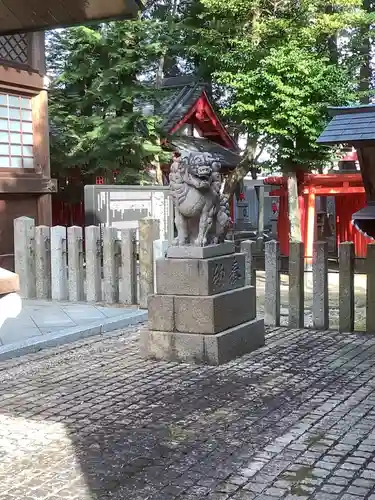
(296, 284)
(370, 295)
(346, 287)
(320, 310)
(272, 285)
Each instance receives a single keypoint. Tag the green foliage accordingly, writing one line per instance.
(274, 67)
(278, 66)
(285, 99)
(96, 99)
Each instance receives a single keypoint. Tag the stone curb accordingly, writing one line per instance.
(67, 335)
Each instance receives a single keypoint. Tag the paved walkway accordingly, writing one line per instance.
(92, 420)
(40, 322)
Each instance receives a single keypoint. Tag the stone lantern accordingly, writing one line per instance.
(355, 126)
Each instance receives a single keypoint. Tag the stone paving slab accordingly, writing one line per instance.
(41, 324)
(92, 420)
(39, 317)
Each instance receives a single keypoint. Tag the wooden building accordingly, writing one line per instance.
(191, 123)
(354, 191)
(25, 179)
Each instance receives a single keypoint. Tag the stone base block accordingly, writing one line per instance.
(9, 282)
(203, 349)
(200, 276)
(208, 252)
(208, 314)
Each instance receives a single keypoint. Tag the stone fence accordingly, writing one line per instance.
(347, 268)
(93, 265)
(107, 265)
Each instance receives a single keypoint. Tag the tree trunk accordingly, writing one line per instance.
(332, 40)
(158, 85)
(247, 163)
(293, 208)
(158, 170)
(365, 53)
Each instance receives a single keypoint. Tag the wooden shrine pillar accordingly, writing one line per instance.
(310, 225)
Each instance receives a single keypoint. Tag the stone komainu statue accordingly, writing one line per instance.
(201, 213)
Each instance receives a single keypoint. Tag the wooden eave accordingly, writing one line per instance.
(21, 16)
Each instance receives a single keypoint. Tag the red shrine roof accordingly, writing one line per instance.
(187, 102)
(352, 156)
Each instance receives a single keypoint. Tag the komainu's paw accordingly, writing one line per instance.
(200, 242)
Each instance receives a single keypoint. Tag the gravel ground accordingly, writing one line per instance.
(333, 298)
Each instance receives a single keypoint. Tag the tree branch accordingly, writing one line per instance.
(247, 162)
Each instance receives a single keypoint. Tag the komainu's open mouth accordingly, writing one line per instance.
(204, 172)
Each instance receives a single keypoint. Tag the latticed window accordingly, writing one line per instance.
(14, 48)
(16, 132)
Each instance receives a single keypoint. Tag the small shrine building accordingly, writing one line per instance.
(190, 125)
(349, 197)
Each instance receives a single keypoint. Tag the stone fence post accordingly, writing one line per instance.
(346, 287)
(128, 285)
(24, 255)
(75, 264)
(148, 232)
(320, 310)
(59, 275)
(370, 296)
(272, 285)
(43, 262)
(110, 270)
(160, 250)
(248, 247)
(93, 253)
(296, 285)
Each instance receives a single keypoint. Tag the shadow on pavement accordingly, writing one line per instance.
(95, 421)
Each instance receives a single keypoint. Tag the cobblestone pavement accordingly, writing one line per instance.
(92, 420)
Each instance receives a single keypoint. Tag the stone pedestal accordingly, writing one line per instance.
(203, 311)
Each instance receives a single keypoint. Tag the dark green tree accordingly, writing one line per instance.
(101, 108)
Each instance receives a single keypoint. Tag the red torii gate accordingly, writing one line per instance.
(350, 197)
